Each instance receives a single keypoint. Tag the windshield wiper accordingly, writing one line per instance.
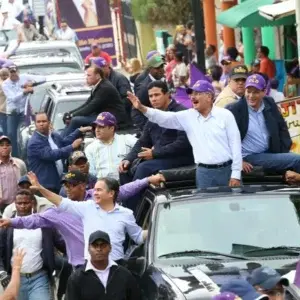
(200, 253)
(280, 250)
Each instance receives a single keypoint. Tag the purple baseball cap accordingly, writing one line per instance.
(105, 119)
(99, 62)
(256, 81)
(150, 54)
(226, 296)
(201, 86)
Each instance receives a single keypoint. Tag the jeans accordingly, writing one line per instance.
(275, 161)
(14, 122)
(36, 287)
(77, 122)
(206, 178)
(3, 124)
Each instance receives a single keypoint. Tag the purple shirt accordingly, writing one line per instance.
(69, 225)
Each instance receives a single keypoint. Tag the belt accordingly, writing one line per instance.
(29, 275)
(217, 166)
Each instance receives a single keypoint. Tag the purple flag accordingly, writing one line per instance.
(196, 74)
(182, 97)
(297, 275)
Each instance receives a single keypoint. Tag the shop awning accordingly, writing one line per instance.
(247, 14)
(278, 11)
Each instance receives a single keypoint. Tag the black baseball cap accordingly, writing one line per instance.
(75, 156)
(74, 177)
(99, 235)
(240, 71)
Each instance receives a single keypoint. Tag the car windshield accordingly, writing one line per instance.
(61, 108)
(229, 225)
(48, 69)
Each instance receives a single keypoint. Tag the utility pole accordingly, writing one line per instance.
(197, 13)
(297, 11)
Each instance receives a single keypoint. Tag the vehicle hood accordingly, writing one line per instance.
(202, 280)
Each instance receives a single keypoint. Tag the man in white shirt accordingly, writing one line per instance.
(212, 132)
(65, 33)
(8, 21)
(38, 244)
(107, 151)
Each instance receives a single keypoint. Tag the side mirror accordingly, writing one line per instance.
(137, 265)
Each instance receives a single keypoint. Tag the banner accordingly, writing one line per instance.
(91, 19)
(130, 33)
(290, 110)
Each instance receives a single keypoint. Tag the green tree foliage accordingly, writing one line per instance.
(161, 12)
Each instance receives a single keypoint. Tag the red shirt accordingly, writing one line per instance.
(267, 67)
(102, 54)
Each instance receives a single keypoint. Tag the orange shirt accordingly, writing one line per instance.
(267, 67)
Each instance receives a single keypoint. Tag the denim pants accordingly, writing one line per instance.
(36, 287)
(206, 178)
(14, 122)
(275, 161)
(77, 122)
(3, 124)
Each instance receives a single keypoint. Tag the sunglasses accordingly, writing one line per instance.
(240, 80)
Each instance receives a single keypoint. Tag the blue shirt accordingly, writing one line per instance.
(257, 137)
(116, 223)
(15, 98)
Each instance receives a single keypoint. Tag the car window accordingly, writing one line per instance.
(61, 108)
(144, 213)
(36, 99)
(46, 102)
(225, 225)
(48, 69)
(50, 109)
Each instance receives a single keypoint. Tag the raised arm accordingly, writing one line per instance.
(166, 119)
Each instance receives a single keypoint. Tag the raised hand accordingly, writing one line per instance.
(136, 103)
(35, 185)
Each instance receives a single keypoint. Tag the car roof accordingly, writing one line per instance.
(65, 77)
(67, 91)
(25, 60)
(217, 193)
(46, 44)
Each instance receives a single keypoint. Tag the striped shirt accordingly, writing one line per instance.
(104, 159)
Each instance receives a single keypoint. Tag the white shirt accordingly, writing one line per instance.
(66, 35)
(14, 9)
(102, 274)
(31, 242)
(59, 164)
(276, 95)
(9, 23)
(215, 139)
(104, 159)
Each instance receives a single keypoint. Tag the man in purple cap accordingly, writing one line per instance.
(96, 51)
(265, 137)
(117, 79)
(109, 148)
(212, 132)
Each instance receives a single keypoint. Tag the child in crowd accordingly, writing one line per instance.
(274, 93)
(290, 89)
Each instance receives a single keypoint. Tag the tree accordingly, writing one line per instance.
(161, 12)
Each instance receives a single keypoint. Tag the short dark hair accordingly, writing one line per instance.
(274, 84)
(216, 72)
(98, 70)
(232, 52)
(41, 113)
(159, 84)
(24, 192)
(189, 25)
(112, 185)
(265, 50)
(63, 20)
(212, 47)
(179, 55)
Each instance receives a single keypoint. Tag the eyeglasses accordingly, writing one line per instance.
(273, 292)
(69, 185)
(240, 80)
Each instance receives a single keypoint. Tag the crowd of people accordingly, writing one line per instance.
(70, 207)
